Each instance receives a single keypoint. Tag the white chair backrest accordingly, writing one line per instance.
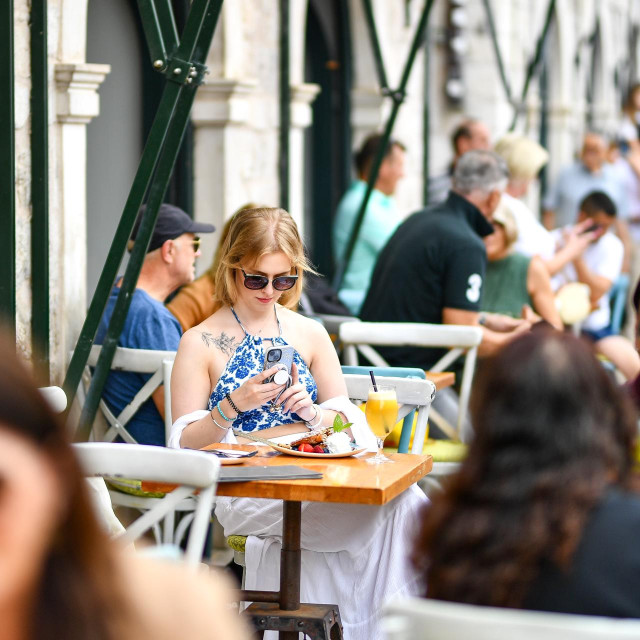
(423, 619)
(461, 340)
(157, 363)
(191, 471)
(56, 398)
(411, 393)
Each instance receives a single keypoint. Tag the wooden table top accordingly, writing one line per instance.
(441, 379)
(345, 480)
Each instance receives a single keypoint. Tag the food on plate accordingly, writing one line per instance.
(319, 441)
(338, 443)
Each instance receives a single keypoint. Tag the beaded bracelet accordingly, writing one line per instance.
(221, 412)
(232, 404)
(218, 424)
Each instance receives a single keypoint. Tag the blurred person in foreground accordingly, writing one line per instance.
(380, 219)
(168, 264)
(541, 515)
(61, 577)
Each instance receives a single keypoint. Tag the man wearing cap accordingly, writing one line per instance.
(169, 264)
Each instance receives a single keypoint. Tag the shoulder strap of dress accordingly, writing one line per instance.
(235, 315)
(275, 310)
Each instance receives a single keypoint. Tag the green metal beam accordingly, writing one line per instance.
(426, 121)
(535, 61)
(186, 71)
(345, 92)
(7, 170)
(375, 45)
(39, 186)
(398, 97)
(168, 27)
(285, 105)
(496, 50)
(153, 33)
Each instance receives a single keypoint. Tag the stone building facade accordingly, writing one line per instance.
(591, 57)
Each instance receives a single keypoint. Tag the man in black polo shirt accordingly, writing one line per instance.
(432, 269)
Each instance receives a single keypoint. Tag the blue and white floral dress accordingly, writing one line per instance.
(247, 361)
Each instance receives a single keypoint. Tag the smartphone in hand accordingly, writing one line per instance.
(282, 357)
(591, 228)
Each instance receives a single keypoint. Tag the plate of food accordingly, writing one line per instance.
(321, 443)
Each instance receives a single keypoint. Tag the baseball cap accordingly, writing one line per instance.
(171, 223)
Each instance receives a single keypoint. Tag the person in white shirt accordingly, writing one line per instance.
(599, 266)
(525, 158)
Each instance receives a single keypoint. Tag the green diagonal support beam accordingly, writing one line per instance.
(168, 27)
(153, 33)
(535, 61)
(398, 98)
(165, 136)
(496, 49)
(375, 45)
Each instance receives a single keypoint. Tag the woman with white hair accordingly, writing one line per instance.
(515, 284)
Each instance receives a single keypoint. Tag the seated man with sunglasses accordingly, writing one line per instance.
(169, 264)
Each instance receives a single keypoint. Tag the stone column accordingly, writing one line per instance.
(302, 96)
(223, 151)
(76, 104)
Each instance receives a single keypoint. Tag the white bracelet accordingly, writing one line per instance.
(217, 423)
(310, 423)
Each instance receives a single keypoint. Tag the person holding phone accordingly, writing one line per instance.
(224, 379)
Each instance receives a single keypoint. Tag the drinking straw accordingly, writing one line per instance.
(373, 381)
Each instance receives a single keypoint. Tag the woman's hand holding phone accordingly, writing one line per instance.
(296, 398)
(254, 392)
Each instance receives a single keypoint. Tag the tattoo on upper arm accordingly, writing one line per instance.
(226, 344)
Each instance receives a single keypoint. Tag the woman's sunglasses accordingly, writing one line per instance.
(281, 283)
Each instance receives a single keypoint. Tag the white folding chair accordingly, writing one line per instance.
(460, 340)
(157, 363)
(195, 473)
(424, 619)
(412, 394)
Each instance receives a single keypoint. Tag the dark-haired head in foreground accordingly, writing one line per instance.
(58, 577)
(552, 434)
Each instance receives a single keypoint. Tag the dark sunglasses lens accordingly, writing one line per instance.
(284, 283)
(255, 282)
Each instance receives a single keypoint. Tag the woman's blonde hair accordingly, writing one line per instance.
(255, 233)
(524, 157)
(503, 216)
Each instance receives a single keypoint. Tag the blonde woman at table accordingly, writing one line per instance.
(353, 555)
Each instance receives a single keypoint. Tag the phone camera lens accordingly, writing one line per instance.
(274, 355)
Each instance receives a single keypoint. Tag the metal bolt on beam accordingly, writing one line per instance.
(158, 64)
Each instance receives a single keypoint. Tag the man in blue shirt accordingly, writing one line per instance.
(380, 220)
(591, 173)
(169, 264)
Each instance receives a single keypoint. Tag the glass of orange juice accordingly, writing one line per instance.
(381, 412)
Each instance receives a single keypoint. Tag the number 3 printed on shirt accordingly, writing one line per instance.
(475, 283)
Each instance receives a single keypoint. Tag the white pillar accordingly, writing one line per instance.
(302, 96)
(223, 152)
(76, 103)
